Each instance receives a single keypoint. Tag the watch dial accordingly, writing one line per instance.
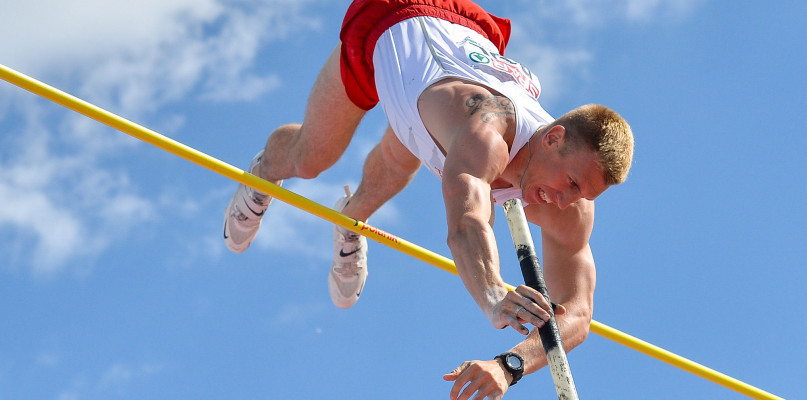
(514, 362)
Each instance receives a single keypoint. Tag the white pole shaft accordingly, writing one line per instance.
(534, 278)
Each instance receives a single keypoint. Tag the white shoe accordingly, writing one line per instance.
(243, 215)
(349, 270)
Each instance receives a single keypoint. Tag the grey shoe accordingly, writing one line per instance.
(349, 270)
(243, 215)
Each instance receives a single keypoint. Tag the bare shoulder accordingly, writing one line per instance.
(571, 226)
(454, 106)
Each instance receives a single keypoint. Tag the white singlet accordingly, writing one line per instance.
(417, 52)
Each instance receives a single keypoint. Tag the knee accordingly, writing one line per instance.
(309, 169)
(310, 164)
(288, 145)
(409, 165)
(399, 160)
(287, 132)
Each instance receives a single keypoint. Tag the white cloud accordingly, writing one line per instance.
(69, 394)
(588, 14)
(53, 200)
(47, 359)
(135, 57)
(113, 381)
(77, 386)
(60, 196)
(87, 31)
(299, 315)
(211, 55)
(552, 38)
(647, 10)
(553, 65)
(121, 374)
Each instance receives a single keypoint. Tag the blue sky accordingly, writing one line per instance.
(115, 283)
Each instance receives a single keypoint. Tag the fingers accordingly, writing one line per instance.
(524, 305)
(528, 306)
(484, 379)
(460, 379)
(456, 372)
(534, 302)
(515, 323)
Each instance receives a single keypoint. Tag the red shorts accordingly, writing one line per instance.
(366, 20)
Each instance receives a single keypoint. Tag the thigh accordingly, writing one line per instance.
(330, 117)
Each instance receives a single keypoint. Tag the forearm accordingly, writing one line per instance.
(473, 248)
(470, 238)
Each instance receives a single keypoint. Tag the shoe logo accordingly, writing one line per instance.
(253, 211)
(343, 254)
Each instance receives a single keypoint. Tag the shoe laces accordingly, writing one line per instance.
(347, 269)
(242, 217)
(351, 245)
(239, 216)
(257, 197)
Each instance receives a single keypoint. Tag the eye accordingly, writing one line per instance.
(573, 183)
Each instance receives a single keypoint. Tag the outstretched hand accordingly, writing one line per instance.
(521, 306)
(485, 378)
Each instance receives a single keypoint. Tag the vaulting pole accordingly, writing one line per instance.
(107, 118)
(534, 278)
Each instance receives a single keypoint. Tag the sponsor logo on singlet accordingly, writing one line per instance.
(512, 69)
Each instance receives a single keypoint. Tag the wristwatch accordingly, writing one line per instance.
(513, 363)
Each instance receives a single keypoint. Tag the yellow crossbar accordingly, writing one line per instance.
(238, 175)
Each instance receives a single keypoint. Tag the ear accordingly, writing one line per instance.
(555, 136)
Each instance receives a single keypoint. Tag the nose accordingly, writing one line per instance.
(565, 199)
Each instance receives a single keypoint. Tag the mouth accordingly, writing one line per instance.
(543, 196)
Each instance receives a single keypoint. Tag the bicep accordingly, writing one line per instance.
(474, 159)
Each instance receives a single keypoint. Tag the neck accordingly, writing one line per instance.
(524, 171)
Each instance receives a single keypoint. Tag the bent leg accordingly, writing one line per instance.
(330, 120)
(296, 150)
(387, 170)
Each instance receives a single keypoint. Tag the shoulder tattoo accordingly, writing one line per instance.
(489, 108)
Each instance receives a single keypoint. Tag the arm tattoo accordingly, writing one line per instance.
(490, 108)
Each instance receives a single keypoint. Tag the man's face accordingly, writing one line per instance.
(562, 179)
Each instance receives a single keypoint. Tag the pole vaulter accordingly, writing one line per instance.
(188, 153)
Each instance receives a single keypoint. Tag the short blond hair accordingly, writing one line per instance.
(605, 132)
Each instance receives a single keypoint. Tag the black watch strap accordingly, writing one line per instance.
(516, 371)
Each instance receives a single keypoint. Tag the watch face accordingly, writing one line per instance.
(514, 362)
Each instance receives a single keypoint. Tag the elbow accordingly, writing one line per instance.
(587, 313)
(585, 329)
(579, 324)
(467, 232)
(458, 233)
(454, 238)
(586, 316)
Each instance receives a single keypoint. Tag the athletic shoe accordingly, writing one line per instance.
(349, 271)
(242, 218)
